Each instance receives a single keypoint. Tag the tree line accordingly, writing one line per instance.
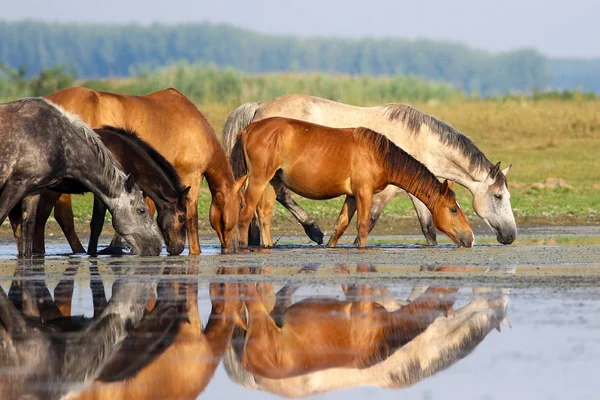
(100, 50)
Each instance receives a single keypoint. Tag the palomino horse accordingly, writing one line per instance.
(170, 123)
(45, 147)
(184, 357)
(45, 362)
(445, 151)
(319, 162)
(155, 176)
(442, 344)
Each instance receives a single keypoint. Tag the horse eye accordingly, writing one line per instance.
(142, 210)
(453, 210)
(498, 196)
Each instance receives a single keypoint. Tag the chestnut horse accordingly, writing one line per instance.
(170, 123)
(319, 162)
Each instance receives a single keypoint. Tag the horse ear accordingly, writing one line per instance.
(129, 183)
(495, 171)
(505, 170)
(445, 187)
(184, 192)
(451, 185)
(240, 183)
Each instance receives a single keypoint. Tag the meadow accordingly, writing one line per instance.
(551, 139)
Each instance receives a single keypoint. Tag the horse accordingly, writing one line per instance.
(320, 162)
(45, 147)
(169, 341)
(154, 175)
(169, 122)
(443, 343)
(444, 150)
(57, 360)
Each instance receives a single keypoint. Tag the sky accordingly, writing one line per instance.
(556, 28)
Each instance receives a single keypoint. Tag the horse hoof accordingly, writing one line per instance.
(314, 233)
(112, 251)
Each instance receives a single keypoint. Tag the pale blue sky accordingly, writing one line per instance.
(557, 28)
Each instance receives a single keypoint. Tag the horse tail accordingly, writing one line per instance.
(240, 118)
(237, 159)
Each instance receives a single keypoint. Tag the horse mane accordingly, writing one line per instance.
(168, 168)
(400, 166)
(112, 169)
(413, 119)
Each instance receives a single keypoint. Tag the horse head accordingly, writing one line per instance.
(449, 218)
(132, 220)
(491, 202)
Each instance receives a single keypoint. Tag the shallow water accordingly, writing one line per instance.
(550, 295)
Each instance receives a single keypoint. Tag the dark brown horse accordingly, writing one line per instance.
(154, 174)
(170, 123)
(319, 162)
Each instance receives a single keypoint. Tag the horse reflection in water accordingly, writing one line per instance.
(43, 356)
(188, 356)
(164, 353)
(321, 345)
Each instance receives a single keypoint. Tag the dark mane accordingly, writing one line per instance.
(162, 162)
(413, 119)
(401, 166)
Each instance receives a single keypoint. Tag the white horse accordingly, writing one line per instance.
(445, 151)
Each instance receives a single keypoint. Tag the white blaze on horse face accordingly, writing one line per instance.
(492, 203)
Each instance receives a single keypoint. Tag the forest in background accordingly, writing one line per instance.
(101, 51)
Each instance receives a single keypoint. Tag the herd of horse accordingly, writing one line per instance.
(141, 154)
(148, 341)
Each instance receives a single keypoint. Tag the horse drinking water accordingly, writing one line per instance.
(319, 162)
(154, 175)
(445, 151)
(45, 147)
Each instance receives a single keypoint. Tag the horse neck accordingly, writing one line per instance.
(412, 176)
(219, 175)
(448, 161)
(94, 175)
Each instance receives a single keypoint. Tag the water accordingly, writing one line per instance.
(549, 294)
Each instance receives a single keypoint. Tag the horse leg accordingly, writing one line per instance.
(44, 209)
(16, 221)
(284, 197)
(96, 225)
(346, 214)
(426, 221)
(364, 199)
(63, 214)
(97, 287)
(10, 196)
(253, 194)
(191, 218)
(380, 200)
(30, 206)
(264, 211)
